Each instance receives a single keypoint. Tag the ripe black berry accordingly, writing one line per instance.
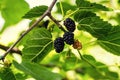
(68, 38)
(69, 24)
(59, 44)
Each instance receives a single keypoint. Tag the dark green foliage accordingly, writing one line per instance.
(59, 44)
(112, 41)
(7, 74)
(35, 12)
(118, 1)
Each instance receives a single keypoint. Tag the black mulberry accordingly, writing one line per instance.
(68, 38)
(59, 44)
(69, 24)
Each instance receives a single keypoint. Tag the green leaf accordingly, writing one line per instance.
(103, 74)
(100, 72)
(7, 74)
(91, 23)
(37, 71)
(112, 41)
(66, 7)
(90, 58)
(12, 11)
(38, 45)
(82, 4)
(35, 12)
(112, 75)
(1, 1)
(95, 73)
(108, 36)
(70, 63)
(118, 1)
(83, 14)
(21, 76)
(107, 73)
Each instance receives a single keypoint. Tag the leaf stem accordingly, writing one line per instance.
(61, 7)
(84, 59)
(46, 13)
(71, 13)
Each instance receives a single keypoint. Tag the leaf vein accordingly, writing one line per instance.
(41, 50)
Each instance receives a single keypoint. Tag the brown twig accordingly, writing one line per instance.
(57, 22)
(46, 13)
(14, 50)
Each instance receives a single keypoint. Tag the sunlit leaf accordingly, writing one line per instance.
(65, 6)
(82, 4)
(35, 12)
(38, 45)
(108, 36)
(12, 11)
(91, 23)
(37, 71)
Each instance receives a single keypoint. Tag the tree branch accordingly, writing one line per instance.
(14, 50)
(57, 22)
(48, 11)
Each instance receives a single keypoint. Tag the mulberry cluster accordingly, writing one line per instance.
(59, 44)
(68, 37)
(69, 24)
